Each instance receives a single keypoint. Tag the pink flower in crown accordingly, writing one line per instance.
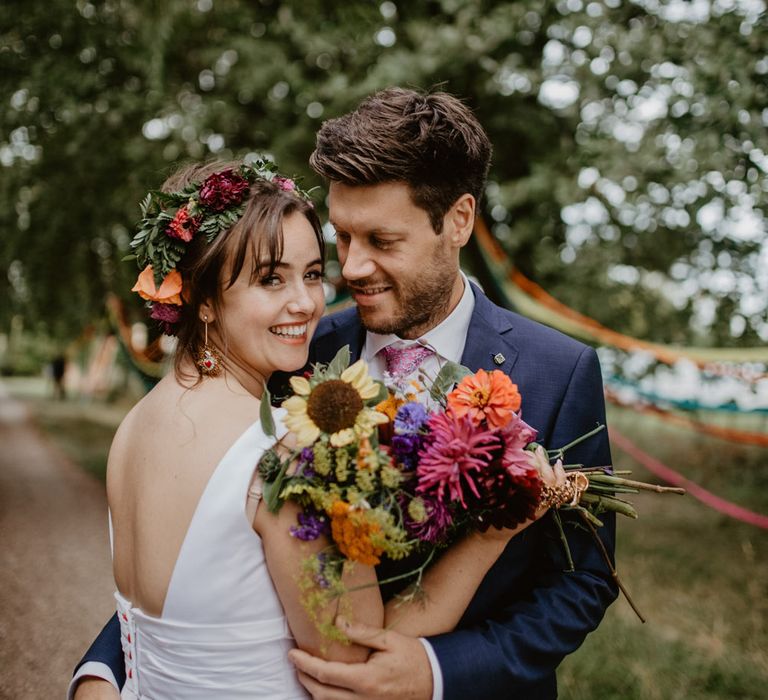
(284, 183)
(455, 455)
(183, 225)
(223, 190)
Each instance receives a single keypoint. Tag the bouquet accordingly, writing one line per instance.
(384, 477)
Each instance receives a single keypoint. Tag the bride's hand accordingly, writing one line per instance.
(553, 476)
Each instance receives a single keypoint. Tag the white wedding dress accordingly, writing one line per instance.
(222, 634)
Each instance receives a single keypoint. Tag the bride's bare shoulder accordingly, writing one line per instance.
(177, 416)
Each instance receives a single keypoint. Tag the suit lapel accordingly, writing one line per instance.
(345, 330)
(489, 345)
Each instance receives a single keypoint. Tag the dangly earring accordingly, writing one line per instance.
(209, 361)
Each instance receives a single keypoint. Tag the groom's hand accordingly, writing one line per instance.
(397, 669)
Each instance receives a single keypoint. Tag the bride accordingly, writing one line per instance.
(207, 600)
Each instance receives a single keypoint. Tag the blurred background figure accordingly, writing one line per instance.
(58, 370)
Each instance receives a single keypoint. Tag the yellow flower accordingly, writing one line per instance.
(357, 375)
(334, 407)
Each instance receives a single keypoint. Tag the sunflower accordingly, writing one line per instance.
(334, 407)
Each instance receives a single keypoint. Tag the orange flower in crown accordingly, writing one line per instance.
(485, 396)
(170, 288)
(170, 221)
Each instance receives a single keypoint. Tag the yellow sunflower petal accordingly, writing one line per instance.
(369, 390)
(343, 437)
(357, 375)
(378, 418)
(354, 373)
(295, 405)
(300, 385)
(307, 435)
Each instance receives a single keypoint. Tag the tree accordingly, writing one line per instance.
(630, 142)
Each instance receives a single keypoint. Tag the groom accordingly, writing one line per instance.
(406, 171)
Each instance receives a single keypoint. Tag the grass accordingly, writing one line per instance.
(699, 577)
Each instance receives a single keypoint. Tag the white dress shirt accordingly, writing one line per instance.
(447, 339)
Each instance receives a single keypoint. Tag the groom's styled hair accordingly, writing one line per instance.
(432, 142)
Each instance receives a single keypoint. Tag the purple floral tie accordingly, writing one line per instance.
(402, 362)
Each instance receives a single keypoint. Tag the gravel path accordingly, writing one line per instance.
(55, 571)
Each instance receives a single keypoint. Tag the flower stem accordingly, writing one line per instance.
(419, 571)
(564, 540)
(611, 568)
(618, 481)
(560, 452)
(609, 503)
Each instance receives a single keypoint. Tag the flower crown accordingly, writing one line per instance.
(171, 220)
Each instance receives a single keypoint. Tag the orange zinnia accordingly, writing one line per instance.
(489, 396)
(389, 406)
(170, 289)
(351, 532)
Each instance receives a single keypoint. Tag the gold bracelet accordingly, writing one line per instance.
(568, 493)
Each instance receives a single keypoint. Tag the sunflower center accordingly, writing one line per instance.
(334, 405)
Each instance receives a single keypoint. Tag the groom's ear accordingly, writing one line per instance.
(459, 220)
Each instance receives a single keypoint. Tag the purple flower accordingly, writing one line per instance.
(312, 524)
(405, 449)
(320, 578)
(410, 418)
(222, 190)
(434, 528)
(306, 460)
(168, 315)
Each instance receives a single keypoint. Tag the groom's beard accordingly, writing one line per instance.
(415, 306)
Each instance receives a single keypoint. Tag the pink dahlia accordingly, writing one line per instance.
(183, 226)
(509, 488)
(515, 436)
(223, 190)
(455, 453)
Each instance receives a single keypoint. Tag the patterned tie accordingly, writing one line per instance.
(402, 362)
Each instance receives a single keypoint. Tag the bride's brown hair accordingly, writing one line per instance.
(208, 269)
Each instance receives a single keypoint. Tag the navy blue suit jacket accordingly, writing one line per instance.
(529, 611)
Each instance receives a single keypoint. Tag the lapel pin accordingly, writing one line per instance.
(498, 358)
